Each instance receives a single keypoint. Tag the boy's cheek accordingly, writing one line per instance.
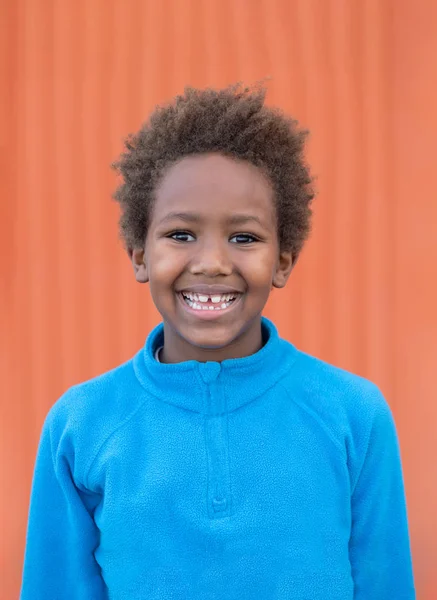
(164, 269)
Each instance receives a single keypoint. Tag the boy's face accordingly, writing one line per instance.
(211, 257)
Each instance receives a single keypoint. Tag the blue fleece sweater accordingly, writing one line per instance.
(270, 477)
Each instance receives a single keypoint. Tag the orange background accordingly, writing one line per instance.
(81, 75)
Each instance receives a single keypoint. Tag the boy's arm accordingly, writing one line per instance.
(379, 544)
(62, 536)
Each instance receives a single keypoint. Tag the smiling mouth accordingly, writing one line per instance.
(215, 302)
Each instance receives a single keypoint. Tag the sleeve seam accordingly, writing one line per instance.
(108, 437)
(316, 418)
(366, 452)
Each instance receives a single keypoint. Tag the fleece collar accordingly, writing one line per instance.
(214, 388)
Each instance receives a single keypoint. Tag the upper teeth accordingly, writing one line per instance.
(216, 299)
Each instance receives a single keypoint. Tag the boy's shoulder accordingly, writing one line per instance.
(96, 397)
(341, 401)
(89, 412)
(329, 378)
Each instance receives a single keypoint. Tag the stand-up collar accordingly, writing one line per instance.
(214, 387)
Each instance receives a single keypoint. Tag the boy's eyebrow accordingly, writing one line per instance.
(191, 217)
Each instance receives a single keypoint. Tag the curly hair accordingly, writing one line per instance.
(233, 122)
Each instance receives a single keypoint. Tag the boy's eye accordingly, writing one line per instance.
(244, 238)
(181, 236)
(185, 236)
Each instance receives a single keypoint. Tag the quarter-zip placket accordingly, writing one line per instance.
(219, 500)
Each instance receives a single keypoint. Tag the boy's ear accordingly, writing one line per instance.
(284, 266)
(138, 259)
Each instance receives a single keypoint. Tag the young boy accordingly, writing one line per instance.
(220, 463)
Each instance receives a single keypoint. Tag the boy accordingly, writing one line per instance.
(220, 463)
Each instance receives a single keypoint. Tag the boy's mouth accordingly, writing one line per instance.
(208, 306)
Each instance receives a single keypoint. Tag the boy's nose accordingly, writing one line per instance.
(212, 260)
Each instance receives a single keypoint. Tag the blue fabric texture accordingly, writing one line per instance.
(271, 477)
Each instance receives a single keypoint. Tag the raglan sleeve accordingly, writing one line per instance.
(379, 544)
(59, 560)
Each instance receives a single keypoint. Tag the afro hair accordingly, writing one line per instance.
(234, 122)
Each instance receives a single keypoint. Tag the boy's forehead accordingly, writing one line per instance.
(208, 181)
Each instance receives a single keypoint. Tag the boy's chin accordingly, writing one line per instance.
(211, 337)
(220, 339)
(208, 341)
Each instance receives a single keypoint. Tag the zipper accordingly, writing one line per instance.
(218, 493)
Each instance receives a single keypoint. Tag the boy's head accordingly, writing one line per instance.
(215, 205)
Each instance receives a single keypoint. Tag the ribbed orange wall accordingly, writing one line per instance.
(81, 75)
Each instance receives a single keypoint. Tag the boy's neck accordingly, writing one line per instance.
(176, 349)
